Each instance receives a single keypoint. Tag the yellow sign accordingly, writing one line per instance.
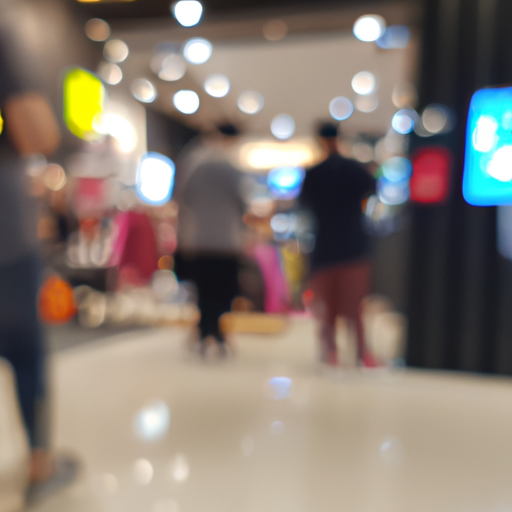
(1, 122)
(84, 97)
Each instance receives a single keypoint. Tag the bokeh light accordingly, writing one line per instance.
(217, 85)
(110, 73)
(152, 422)
(155, 178)
(364, 83)
(142, 471)
(404, 96)
(84, 97)
(179, 468)
(340, 108)
(392, 192)
(369, 27)
(121, 129)
(280, 387)
(97, 29)
(366, 104)
(403, 121)
(275, 30)
(394, 37)
(437, 119)
(143, 90)
(363, 152)
(285, 182)
(54, 177)
(168, 66)
(397, 169)
(116, 51)
(250, 102)
(188, 12)
(282, 126)
(187, 102)
(197, 50)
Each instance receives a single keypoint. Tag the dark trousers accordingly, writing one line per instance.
(216, 279)
(21, 341)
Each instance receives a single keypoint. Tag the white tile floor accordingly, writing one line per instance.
(217, 440)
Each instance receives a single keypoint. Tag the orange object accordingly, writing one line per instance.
(56, 301)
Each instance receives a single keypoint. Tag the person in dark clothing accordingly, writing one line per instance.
(27, 126)
(340, 270)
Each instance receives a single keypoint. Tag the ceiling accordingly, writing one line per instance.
(298, 75)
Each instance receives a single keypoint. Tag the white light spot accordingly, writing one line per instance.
(97, 29)
(142, 471)
(155, 178)
(397, 168)
(217, 86)
(121, 129)
(364, 82)
(116, 50)
(280, 387)
(367, 103)
(340, 108)
(500, 166)
(403, 121)
(250, 102)
(168, 66)
(392, 193)
(187, 102)
(197, 50)
(369, 28)
(188, 12)
(280, 223)
(282, 126)
(179, 469)
(152, 422)
(484, 135)
(143, 90)
(110, 73)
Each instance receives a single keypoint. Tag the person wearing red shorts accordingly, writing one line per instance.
(340, 269)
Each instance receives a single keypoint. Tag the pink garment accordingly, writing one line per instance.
(135, 246)
(277, 293)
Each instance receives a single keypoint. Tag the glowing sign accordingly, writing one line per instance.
(285, 182)
(488, 162)
(84, 96)
(1, 122)
(431, 175)
(155, 178)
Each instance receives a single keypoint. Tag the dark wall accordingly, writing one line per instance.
(459, 286)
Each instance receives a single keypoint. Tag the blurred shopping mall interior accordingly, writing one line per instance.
(141, 410)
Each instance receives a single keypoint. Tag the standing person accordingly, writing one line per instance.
(340, 269)
(210, 230)
(27, 126)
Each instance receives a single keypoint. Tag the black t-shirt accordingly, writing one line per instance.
(333, 191)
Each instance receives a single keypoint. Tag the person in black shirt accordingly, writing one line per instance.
(340, 271)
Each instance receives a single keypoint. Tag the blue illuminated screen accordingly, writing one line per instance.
(488, 161)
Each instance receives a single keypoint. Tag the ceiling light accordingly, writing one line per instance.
(369, 28)
(187, 102)
(197, 50)
(340, 108)
(217, 86)
(188, 12)
(250, 102)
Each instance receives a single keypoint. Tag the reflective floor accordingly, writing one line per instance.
(269, 430)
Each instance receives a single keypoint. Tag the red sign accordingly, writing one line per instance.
(431, 175)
